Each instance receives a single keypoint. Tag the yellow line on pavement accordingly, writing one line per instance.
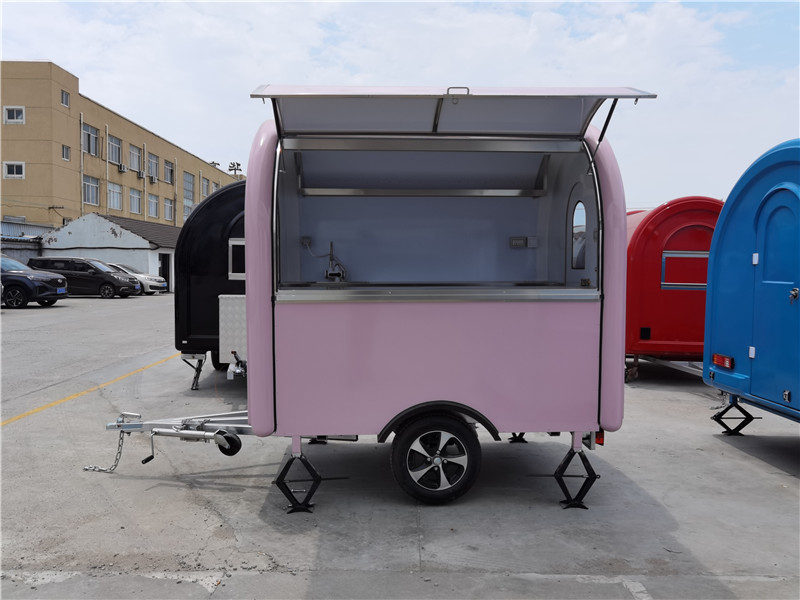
(84, 392)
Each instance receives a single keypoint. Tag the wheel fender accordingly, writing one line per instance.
(441, 407)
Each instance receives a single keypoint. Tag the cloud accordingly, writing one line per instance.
(185, 70)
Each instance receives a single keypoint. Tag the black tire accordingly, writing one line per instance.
(15, 297)
(219, 366)
(235, 443)
(107, 291)
(49, 302)
(436, 459)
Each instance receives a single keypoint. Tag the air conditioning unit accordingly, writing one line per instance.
(122, 168)
(140, 174)
(153, 179)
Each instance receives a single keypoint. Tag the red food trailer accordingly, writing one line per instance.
(666, 290)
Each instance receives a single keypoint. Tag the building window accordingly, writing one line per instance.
(65, 98)
(205, 187)
(152, 165)
(14, 115)
(90, 139)
(169, 209)
(136, 201)
(114, 196)
(214, 186)
(169, 172)
(136, 158)
(188, 193)
(114, 150)
(91, 190)
(152, 205)
(66, 152)
(13, 170)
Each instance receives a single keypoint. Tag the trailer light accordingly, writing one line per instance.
(722, 361)
(600, 437)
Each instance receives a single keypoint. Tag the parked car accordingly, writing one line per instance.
(21, 285)
(88, 276)
(150, 283)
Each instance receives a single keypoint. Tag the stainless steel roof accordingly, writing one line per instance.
(536, 112)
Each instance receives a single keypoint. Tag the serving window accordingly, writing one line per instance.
(361, 213)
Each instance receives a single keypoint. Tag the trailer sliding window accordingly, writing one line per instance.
(367, 213)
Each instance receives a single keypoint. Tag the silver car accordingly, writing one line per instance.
(150, 283)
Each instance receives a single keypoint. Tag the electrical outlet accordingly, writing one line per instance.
(305, 241)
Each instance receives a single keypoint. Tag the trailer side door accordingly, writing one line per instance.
(776, 316)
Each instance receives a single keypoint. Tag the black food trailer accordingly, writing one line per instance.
(209, 264)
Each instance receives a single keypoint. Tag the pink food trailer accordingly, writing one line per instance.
(666, 286)
(424, 262)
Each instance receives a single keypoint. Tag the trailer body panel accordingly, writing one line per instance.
(668, 250)
(464, 248)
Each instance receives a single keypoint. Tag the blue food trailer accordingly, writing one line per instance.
(752, 329)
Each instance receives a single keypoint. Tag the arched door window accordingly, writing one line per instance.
(579, 236)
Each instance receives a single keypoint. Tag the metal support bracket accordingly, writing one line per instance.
(297, 505)
(745, 419)
(201, 359)
(589, 479)
(518, 438)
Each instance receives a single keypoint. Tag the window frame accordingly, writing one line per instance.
(169, 172)
(577, 243)
(137, 194)
(13, 163)
(114, 149)
(188, 193)
(14, 121)
(91, 184)
(66, 153)
(236, 252)
(152, 165)
(90, 139)
(152, 205)
(135, 156)
(169, 209)
(116, 194)
(65, 95)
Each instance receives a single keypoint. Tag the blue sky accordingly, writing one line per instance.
(727, 74)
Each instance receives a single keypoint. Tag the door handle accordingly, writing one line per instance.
(793, 295)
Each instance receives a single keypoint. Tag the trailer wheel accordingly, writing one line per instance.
(234, 443)
(436, 459)
(215, 362)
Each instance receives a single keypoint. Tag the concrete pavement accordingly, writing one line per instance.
(680, 511)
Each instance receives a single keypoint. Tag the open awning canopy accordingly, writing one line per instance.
(552, 113)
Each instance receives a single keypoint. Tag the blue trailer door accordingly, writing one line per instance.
(776, 320)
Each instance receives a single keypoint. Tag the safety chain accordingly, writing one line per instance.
(110, 469)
